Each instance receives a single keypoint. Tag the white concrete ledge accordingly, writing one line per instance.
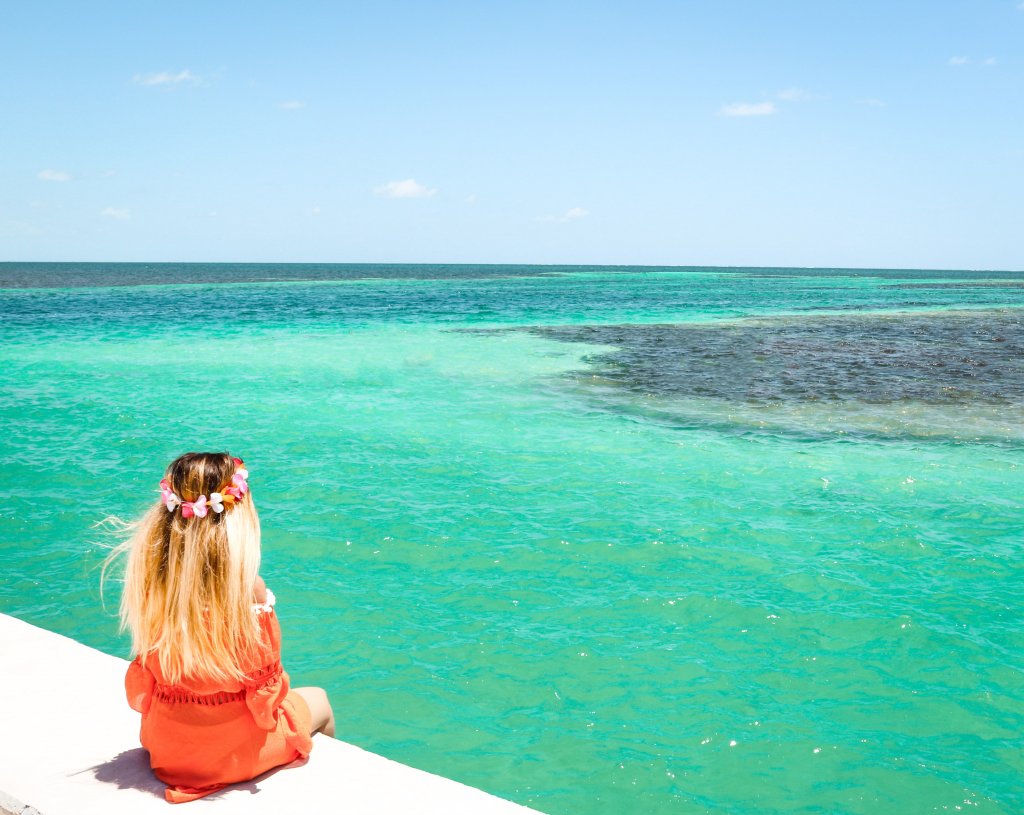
(12, 806)
(69, 746)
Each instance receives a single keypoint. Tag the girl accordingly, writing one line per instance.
(215, 702)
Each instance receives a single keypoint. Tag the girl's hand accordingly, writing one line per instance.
(260, 590)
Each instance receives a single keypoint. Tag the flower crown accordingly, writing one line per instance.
(226, 495)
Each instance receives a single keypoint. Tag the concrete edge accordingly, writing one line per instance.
(12, 806)
(377, 783)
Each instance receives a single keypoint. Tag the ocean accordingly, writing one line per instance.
(599, 540)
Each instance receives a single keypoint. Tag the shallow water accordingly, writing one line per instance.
(596, 540)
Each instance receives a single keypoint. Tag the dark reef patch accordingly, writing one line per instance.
(939, 358)
(961, 284)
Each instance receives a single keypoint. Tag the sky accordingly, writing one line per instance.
(827, 133)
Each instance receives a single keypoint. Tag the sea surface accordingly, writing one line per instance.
(600, 540)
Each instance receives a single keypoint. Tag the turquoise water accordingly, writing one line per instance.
(596, 540)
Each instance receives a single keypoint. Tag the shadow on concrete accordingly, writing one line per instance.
(131, 770)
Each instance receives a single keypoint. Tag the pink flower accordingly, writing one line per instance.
(238, 480)
(167, 495)
(197, 508)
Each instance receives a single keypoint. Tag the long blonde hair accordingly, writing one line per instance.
(189, 582)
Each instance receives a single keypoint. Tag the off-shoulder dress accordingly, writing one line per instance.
(203, 735)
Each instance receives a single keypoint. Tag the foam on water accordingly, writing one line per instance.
(589, 595)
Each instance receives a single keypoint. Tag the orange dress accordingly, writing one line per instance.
(203, 735)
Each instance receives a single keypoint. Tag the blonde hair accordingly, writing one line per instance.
(189, 582)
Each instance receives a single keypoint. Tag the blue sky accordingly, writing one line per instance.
(874, 134)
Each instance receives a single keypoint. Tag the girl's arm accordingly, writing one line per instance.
(260, 590)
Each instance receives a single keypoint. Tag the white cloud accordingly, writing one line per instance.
(19, 229)
(794, 95)
(471, 199)
(871, 102)
(572, 214)
(748, 109)
(54, 175)
(165, 78)
(116, 213)
(292, 104)
(410, 188)
(988, 61)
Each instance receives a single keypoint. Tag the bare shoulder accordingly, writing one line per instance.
(260, 590)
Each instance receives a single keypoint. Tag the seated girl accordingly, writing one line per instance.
(207, 678)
